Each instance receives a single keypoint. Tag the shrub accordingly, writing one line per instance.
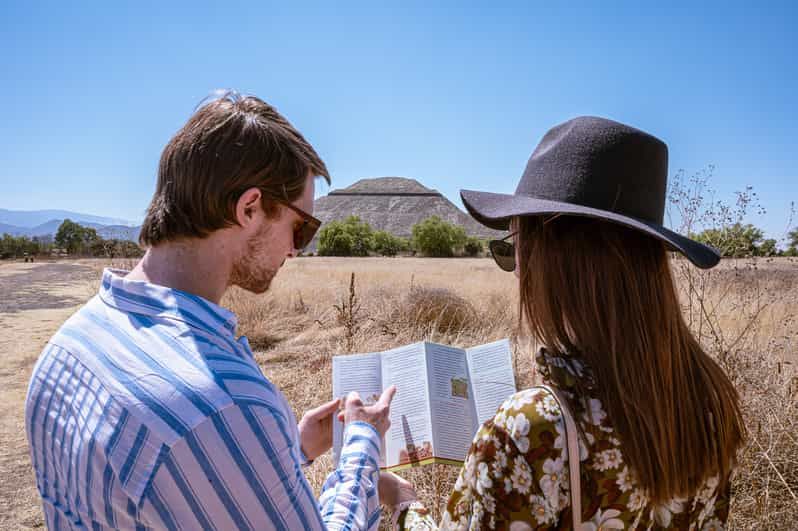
(473, 246)
(436, 237)
(738, 240)
(387, 244)
(351, 237)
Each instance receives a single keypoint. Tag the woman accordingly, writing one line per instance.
(659, 422)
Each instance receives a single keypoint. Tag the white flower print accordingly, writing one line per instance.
(607, 459)
(637, 500)
(552, 480)
(624, 480)
(509, 424)
(519, 400)
(663, 514)
(468, 471)
(541, 510)
(501, 458)
(519, 431)
(477, 511)
(496, 469)
(604, 520)
(707, 491)
(595, 412)
(500, 418)
(489, 503)
(707, 510)
(521, 476)
(508, 485)
(483, 481)
(713, 525)
(548, 408)
(560, 441)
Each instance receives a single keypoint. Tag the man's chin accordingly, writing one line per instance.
(257, 289)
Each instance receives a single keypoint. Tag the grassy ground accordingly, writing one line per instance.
(743, 311)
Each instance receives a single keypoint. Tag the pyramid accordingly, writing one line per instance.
(393, 204)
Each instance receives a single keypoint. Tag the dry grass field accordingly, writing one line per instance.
(744, 312)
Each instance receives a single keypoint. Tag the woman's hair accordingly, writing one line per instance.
(605, 294)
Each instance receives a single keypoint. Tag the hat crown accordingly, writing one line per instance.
(602, 164)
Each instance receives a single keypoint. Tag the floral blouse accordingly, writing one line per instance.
(517, 471)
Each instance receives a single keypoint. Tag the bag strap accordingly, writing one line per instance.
(571, 435)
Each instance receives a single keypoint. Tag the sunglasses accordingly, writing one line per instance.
(503, 253)
(305, 232)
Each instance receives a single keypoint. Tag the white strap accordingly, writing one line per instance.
(571, 435)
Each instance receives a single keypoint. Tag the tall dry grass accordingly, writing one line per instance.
(743, 311)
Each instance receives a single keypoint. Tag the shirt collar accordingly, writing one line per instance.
(142, 297)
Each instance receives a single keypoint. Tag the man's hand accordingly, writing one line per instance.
(376, 415)
(315, 429)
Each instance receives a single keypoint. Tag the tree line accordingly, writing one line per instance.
(72, 239)
(352, 236)
(432, 237)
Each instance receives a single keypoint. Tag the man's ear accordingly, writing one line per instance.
(248, 206)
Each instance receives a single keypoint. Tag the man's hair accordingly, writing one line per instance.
(230, 144)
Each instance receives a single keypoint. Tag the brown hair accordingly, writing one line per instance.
(229, 145)
(605, 293)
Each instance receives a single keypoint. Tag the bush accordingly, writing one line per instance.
(436, 237)
(473, 247)
(387, 244)
(351, 237)
(738, 240)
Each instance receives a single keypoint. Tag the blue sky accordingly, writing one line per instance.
(456, 95)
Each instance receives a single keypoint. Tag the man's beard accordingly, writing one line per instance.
(249, 271)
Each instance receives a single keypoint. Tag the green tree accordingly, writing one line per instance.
(350, 237)
(387, 244)
(436, 237)
(473, 246)
(738, 240)
(792, 246)
(76, 238)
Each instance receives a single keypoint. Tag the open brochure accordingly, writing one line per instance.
(443, 395)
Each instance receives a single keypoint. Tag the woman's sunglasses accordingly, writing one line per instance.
(305, 232)
(503, 252)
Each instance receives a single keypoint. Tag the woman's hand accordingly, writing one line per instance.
(394, 490)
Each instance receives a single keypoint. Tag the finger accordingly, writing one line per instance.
(387, 396)
(325, 410)
(353, 400)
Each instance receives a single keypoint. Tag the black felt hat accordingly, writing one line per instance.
(597, 168)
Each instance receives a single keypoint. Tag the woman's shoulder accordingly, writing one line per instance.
(529, 418)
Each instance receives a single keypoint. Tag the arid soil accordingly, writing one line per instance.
(34, 300)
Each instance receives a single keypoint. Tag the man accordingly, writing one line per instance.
(144, 410)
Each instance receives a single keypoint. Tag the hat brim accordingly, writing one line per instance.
(496, 210)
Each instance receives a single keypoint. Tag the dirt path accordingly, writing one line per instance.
(34, 300)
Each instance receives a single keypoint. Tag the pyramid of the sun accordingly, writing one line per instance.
(393, 204)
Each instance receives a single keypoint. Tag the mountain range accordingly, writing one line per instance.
(46, 222)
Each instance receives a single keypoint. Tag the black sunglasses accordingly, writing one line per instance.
(503, 252)
(305, 232)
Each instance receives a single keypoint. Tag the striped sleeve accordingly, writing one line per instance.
(238, 470)
(349, 497)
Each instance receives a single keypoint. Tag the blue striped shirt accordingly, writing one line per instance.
(145, 412)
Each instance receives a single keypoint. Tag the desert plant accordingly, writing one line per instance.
(386, 244)
(473, 246)
(350, 237)
(728, 309)
(436, 237)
